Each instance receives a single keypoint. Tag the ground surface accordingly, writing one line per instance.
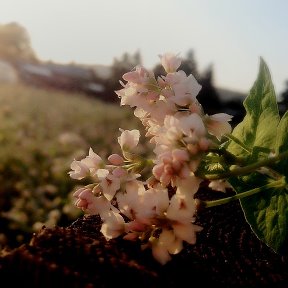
(227, 254)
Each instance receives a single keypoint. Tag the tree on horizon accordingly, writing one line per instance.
(15, 44)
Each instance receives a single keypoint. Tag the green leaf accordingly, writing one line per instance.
(259, 126)
(260, 130)
(281, 144)
(266, 212)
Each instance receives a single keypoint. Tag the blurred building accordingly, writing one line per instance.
(8, 73)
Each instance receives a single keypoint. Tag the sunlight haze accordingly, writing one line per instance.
(230, 35)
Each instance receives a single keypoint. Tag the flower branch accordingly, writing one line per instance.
(281, 183)
(238, 171)
(160, 211)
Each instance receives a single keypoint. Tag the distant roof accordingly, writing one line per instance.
(73, 71)
(37, 69)
(102, 71)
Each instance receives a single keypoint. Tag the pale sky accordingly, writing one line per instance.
(230, 34)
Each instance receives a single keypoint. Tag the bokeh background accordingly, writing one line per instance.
(61, 61)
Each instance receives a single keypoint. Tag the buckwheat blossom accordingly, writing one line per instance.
(143, 205)
(171, 165)
(116, 159)
(129, 139)
(113, 225)
(219, 185)
(140, 76)
(93, 161)
(168, 136)
(166, 244)
(115, 181)
(192, 126)
(170, 62)
(110, 185)
(160, 210)
(218, 125)
(141, 87)
(152, 96)
(185, 89)
(180, 129)
(188, 186)
(153, 211)
(79, 170)
(129, 203)
(87, 166)
(91, 203)
(179, 228)
(156, 111)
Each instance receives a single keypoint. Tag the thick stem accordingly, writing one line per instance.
(229, 157)
(275, 184)
(249, 168)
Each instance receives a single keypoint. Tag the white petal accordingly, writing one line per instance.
(186, 232)
(160, 254)
(129, 139)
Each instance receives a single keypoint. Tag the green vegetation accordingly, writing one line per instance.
(41, 132)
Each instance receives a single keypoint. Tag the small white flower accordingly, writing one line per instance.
(129, 139)
(218, 125)
(79, 170)
(113, 225)
(93, 161)
(170, 62)
(181, 209)
(129, 202)
(110, 185)
(167, 244)
(89, 203)
(186, 231)
(115, 159)
(219, 185)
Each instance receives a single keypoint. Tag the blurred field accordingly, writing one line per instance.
(41, 132)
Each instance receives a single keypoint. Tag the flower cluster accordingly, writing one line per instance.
(159, 210)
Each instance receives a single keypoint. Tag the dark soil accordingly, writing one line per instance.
(227, 254)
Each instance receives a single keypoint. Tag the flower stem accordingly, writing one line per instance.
(275, 184)
(249, 168)
(229, 157)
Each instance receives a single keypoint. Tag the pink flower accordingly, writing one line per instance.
(218, 125)
(185, 89)
(113, 225)
(161, 210)
(115, 159)
(110, 185)
(79, 170)
(87, 166)
(166, 244)
(192, 126)
(91, 204)
(129, 202)
(171, 164)
(135, 226)
(129, 139)
(219, 185)
(139, 76)
(170, 62)
(188, 186)
(186, 231)
(154, 204)
(93, 161)
(181, 209)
